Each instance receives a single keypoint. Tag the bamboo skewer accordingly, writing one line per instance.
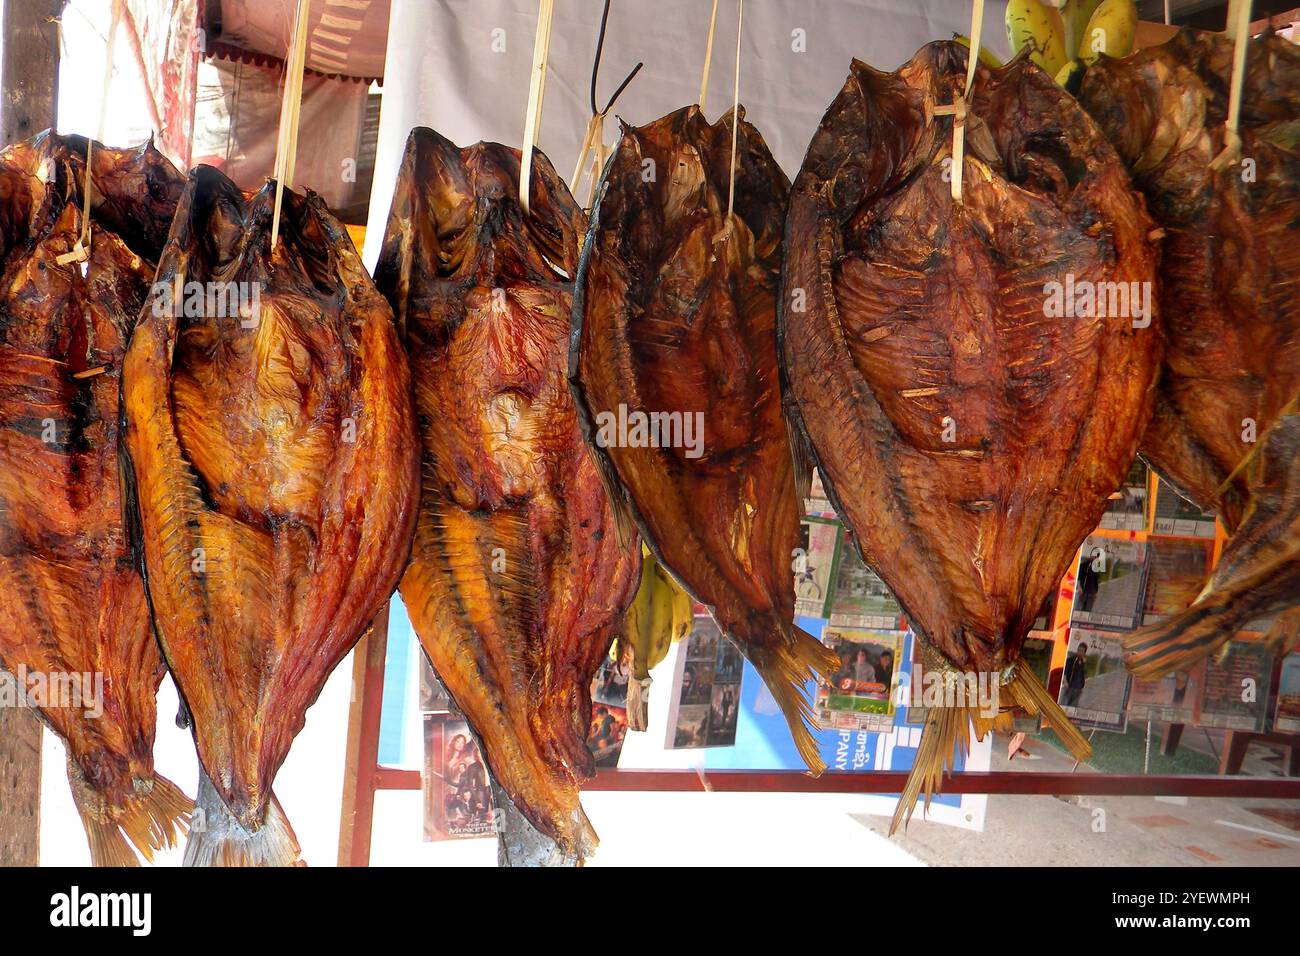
(708, 55)
(80, 251)
(958, 108)
(286, 147)
(735, 114)
(536, 90)
(1239, 32)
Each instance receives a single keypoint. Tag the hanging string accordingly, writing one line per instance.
(536, 89)
(708, 55)
(735, 113)
(1239, 32)
(80, 251)
(958, 108)
(593, 141)
(286, 146)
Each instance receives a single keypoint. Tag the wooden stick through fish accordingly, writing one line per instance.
(957, 109)
(1239, 32)
(286, 146)
(708, 55)
(536, 90)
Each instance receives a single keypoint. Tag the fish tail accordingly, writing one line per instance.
(217, 838)
(786, 669)
(152, 818)
(1182, 640)
(947, 734)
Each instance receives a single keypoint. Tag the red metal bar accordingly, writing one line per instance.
(891, 781)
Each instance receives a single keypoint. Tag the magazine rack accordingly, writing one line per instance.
(364, 775)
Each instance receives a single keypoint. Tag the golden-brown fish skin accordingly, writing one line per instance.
(1230, 259)
(75, 612)
(1258, 574)
(969, 440)
(273, 442)
(517, 579)
(676, 315)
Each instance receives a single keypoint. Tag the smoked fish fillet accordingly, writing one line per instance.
(1229, 277)
(517, 581)
(675, 321)
(270, 426)
(969, 404)
(74, 623)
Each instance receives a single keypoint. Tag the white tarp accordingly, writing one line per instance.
(461, 67)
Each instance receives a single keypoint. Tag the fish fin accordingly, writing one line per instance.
(786, 669)
(1182, 640)
(218, 839)
(946, 733)
(1027, 692)
(150, 820)
(620, 505)
(802, 455)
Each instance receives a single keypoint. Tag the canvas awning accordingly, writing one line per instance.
(345, 38)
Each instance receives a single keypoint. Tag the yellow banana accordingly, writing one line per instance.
(1111, 30)
(986, 57)
(1040, 28)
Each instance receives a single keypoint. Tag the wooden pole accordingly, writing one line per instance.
(357, 817)
(29, 86)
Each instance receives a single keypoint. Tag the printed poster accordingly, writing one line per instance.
(608, 714)
(1127, 508)
(1171, 698)
(860, 598)
(859, 696)
(818, 502)
(814, 565)
(1094, 684)
(457, 796)
(1109, 583)
(1286, 720)
(1176, 573)
(706, 699)
(1236, 687)
(1175, 515)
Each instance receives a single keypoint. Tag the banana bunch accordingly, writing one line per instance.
(660, 614)
(1060, 36)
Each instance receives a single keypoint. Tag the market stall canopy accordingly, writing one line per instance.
(344, 37)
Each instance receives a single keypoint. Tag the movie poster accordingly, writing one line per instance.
(1236, 687)
(814, 566)
(1172, 698)
(1176, 573)
(1108, 583)
(1175, 515)
(457, 795)
(608, 713)
(859, 696)
(1127, 508)
(706, 702)
(1094, 684)
(1286, 720)
(860, 598)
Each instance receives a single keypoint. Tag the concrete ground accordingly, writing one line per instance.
(1107, 831)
